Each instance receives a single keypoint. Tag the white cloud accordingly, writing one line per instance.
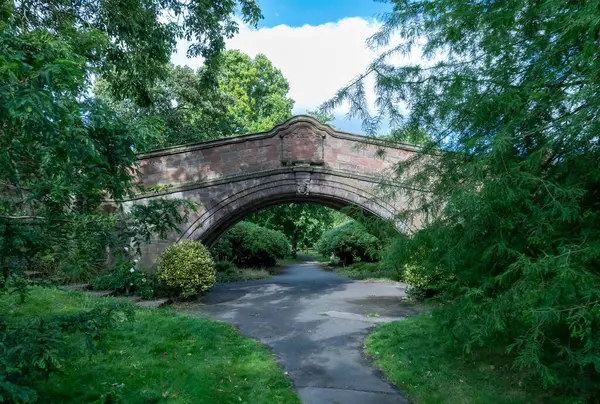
(316, 60)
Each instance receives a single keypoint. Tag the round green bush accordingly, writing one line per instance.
(249, 245)
(349, 242)
(187, 267)
(424, 280)
(425, 283)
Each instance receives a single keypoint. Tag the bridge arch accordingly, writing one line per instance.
(323, 189)
(298, 161)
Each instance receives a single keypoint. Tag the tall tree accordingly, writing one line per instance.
(183, 108)
(512, 212)
(63, 152)
(257, 92)
(248, 95)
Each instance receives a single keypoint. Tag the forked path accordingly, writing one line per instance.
(315, 322)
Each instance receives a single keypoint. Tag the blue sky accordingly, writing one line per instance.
(296, 13)
(319, 46)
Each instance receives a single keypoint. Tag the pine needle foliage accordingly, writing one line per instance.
(509, 185)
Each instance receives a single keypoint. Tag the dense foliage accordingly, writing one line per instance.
(408, 268)
(125, 279)
(63, 153)
(256, 92)
(349, 242)
(187, 267)
(31, 351)
(511, 208)
(182, 108)
(302, 223)
(67, 162)
(249, 95)
(249, 245)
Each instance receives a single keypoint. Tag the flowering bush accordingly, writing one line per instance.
(186, 267)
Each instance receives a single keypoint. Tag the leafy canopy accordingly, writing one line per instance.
(129, 43)
(256, 91)
(63, 152)
(511, 209)
(248, 95)
(350, 242)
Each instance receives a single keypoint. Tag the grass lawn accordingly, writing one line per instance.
(371, 271)
(303, 256)
(160, 357)
(413, 355)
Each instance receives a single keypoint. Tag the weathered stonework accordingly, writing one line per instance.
(300, 160)
(302, 145)
(303, 187)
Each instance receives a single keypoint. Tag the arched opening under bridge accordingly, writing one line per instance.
(301, 161)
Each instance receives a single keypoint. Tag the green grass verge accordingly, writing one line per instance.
(160, 357)
(289, 260)
(372, 271)
(415, 356)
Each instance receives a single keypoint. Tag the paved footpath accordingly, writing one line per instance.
(315, 322)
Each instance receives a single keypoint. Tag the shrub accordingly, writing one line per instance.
(187, 267)
(408, 261)
(425, 284)
(350, 242)
(250, 245)
(126, 279)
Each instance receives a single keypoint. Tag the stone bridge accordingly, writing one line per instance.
(298, 161)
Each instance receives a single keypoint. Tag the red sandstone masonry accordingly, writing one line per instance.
(300, 160)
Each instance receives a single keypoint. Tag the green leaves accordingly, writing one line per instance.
(349, 242)
(68, 161)
(509, 92)
(247, 244)
(303, 224)
(245, 96)
(187, 267)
